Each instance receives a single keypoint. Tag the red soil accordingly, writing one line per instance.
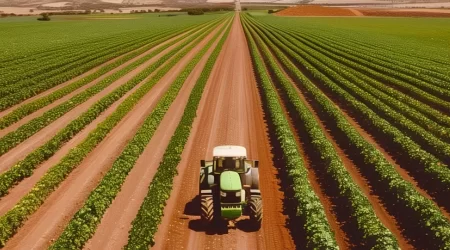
(402, 13)
(314, 10)
(230, 113)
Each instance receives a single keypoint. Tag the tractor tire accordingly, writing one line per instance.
(207, 207)
(256, 211)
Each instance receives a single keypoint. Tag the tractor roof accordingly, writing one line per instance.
(230, 151)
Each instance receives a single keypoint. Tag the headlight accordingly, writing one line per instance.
(238, 193)
(223, 194)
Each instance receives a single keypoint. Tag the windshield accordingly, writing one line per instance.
(229, 163)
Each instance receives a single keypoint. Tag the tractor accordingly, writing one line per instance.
(229, 187)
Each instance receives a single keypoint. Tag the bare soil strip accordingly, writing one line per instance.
(112, 233)
(229, 113)
(23, 149)
(48, 222)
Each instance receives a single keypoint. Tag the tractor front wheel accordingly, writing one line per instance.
(256, 211)
(207, 206)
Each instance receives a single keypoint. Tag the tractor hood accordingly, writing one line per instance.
(230, 181)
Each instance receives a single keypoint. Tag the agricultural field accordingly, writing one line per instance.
(104, 121)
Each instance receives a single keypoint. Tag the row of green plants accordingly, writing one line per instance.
(26, 109)
(426, 214)
(49, 78)
(382, 104)
(25, 167)
(13, 138)
(310, 210)
(31, 107)
(150, 214)
(84, 223)
(426, 91)
(15, 65)
(68, 72)
(30, 75)
(434, 168)
(381, 59)
(72, 49)
(391, 48)
(14, 218)
(433, 117)
(375, 236)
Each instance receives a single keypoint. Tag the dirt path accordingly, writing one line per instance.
(112, 233)
(356, 12)
(23, 149)
(50, 219)
(230, 113)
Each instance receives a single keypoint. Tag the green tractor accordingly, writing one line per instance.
(229, 187)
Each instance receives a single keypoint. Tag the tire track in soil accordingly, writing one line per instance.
(112, 232)
(33, 142)
(47, 223)
(229, 113)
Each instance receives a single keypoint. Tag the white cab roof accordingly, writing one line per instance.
(229, 151)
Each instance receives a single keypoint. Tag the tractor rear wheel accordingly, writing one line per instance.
(256, 211)
(207, 207)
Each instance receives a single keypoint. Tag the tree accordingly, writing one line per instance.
(44, 17)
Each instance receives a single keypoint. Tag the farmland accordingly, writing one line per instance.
(104, 121)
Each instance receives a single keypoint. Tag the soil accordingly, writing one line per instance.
(47, 223)
(230, 113)
(321, 11)
(314, 10)
(405, 12)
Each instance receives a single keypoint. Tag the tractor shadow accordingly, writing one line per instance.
(219, 227)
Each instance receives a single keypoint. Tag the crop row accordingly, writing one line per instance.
(331, 51)
(381, 59)
(29, 108)
(29, 75)
(398, 51)
(10, 140)
(33, 86)
(145, 224)
(14, 219)
(310, 210)
(348, 80)
(425, 214)
(434, 168)
(376, 236)
(82, 226)
(25, 167)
